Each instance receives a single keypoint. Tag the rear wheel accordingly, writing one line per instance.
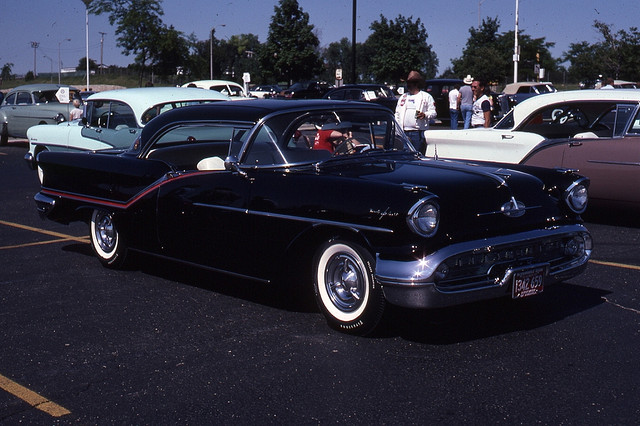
(346, 289)
(106, 241)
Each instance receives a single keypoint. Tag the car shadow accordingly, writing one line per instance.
(435, 326)
(490, 318)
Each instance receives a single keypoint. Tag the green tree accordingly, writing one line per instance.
(583, 61)
(171, 53)
(398, 47)
(291, 50)
(482, 56)
(488, 55)
(82, 64)
(139, 27)
(6, 74)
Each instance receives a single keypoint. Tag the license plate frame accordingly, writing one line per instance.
(528, 282)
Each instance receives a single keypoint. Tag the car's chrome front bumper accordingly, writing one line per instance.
(483, 269)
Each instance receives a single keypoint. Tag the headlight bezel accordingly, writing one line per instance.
(423, 218)
(576, 196)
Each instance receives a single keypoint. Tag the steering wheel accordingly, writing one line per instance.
(351, 146)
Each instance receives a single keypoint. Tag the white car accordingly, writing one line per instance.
(112, 119)
(568, 117)
(234, 90)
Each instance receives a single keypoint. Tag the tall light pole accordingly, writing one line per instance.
(35, 45)
(59, 61)
(516, 50)
(479, 4)
(353, 43)
(86, 39)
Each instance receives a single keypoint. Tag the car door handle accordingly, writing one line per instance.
(507, 136)
(575, 144)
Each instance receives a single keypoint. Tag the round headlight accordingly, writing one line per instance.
(424, 217)
(577, 197)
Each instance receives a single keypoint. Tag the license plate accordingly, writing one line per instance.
(528, 283)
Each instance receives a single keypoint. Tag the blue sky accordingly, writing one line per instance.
(52, 22)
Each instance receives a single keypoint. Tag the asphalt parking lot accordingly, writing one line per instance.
(162, 343)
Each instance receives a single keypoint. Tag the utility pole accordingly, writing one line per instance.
(101, 50)
(35, 45)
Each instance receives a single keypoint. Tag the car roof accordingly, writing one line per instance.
(142, 98)
(512, 88)
(526, 107)
(205, 84)
(246, 111)
(43, 86)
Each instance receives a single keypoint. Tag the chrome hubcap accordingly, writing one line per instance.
(105, 232)
(345, 282)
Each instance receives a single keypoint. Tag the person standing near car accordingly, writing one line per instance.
(414, 110)
(481, 116)
(465, 101)
(76, 112)
(453, 106)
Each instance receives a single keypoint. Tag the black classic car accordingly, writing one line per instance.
(330, 195)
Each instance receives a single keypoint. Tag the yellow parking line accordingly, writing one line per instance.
(44, 231)
(615, 264)
(32, 398)
(39, 243)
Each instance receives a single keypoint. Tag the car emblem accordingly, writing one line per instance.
(513, 208)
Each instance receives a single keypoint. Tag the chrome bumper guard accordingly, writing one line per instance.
(483, 269)
(44, 204)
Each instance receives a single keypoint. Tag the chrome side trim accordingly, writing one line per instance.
(310, 220)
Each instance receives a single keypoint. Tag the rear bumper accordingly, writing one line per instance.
(440, 279)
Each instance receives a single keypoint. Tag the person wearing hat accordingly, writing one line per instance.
(465, 101)
(414, 110)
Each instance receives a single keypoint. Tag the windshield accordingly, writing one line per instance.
(310, 137)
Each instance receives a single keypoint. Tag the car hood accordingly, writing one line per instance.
(475, 200)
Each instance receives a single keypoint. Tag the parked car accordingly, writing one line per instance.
(439, 89)
(229, 88)
(376, 93)
(306, 90)
(265, 91)
(32, 104)
(594, 131)
(367, 222)
(514, 93)
(113, 119)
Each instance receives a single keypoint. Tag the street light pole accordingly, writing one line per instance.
(516, 50)
(35, 45)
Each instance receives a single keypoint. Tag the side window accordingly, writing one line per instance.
(11, 99)
(23, 98)
(264, 150)
(634, 129)
(121, 117)
(195, 147)
(625, 112)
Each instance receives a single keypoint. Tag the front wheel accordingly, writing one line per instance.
(106, 241)
(346, 289)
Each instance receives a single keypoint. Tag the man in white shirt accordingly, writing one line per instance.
(414, 110)
(453, 106)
